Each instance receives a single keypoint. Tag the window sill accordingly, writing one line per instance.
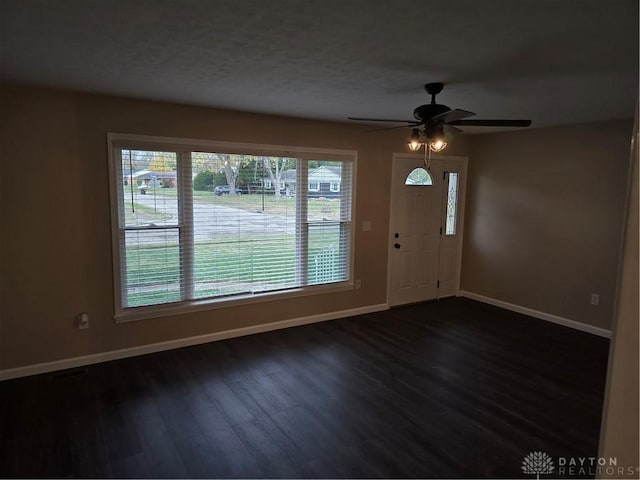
(191, 306)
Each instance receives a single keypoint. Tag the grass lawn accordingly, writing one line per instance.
(225, 267)
(231, 265)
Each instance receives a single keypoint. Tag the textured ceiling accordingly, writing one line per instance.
(553, 61)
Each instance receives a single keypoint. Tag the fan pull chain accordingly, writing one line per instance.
(427, 156)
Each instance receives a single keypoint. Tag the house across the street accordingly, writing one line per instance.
(324, 181)
(150, 179)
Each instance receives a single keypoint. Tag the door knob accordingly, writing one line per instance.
(396, 245)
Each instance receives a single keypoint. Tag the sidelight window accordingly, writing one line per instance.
(452, 204)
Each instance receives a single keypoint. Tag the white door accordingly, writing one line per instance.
(424, 250)
(415, 224)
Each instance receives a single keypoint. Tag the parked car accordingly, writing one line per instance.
(224, 190)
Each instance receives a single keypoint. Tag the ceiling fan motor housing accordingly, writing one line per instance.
(426, 112)
(434, 88)
(433, 130)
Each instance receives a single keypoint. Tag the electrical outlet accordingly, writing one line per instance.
(82, 321)
(358, 284)
(366, 226)
(595, 299)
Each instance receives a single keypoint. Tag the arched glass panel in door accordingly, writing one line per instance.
(419, 176)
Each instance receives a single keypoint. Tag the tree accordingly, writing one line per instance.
(248, 174)
(317, 163)
(235, 167)
(203, 181)
(203, 161)
(275, 168)
(136, 160)
(162, 163)
(230, 172)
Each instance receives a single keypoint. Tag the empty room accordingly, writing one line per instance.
(319, 239)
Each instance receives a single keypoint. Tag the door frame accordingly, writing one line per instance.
(458, 164)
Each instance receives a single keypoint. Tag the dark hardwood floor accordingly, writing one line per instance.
(452, 388)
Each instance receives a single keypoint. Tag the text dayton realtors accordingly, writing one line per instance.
(593, 466)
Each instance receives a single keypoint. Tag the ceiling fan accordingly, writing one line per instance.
(436, 122)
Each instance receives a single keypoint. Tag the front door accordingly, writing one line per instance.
(425, 228)
(416, 196)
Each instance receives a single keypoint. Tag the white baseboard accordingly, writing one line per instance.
(181, 342)
(601, 332)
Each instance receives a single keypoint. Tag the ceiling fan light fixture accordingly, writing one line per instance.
(437, 145)
(414, 142)
(436, 139)
(414, 146)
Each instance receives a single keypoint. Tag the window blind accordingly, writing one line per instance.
(203, 224)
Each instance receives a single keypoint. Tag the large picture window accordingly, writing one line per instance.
(202, 223)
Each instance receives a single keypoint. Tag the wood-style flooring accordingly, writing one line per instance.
(453, 388)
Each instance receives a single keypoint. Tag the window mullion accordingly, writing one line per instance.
(346, 198)
(302, 224)
(185, 207)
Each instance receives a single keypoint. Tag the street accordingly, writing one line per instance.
(212, 222)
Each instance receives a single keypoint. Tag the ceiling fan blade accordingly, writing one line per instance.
(452, 115)
(391, 128)
(379, 120)
(492, 123)
(450, 131)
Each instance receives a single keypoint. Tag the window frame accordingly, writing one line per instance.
(117, 141)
